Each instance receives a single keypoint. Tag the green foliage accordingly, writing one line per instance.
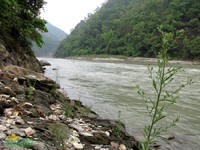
(128, 28)
(118, 129)
(60, 133)
(20, 19)
(163, 96)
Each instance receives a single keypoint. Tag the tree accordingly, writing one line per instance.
(21, 20)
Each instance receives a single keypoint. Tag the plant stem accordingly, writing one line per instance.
(158, 98)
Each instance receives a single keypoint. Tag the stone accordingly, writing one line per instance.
(114, 144)
(39, 145)
(17, 131)
(8, 112)
(122, 147)
(78, 145)
(19, 121)
(44, 63)
(29, 131)
(3, 128)
(53, 117)
(85, 134)
(76, 127)
(2, 136)
(7, 90)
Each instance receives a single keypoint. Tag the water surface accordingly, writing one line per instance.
(109, 87)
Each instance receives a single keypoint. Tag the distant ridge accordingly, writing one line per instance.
(52, 39)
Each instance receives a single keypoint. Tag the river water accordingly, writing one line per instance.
(110, 87)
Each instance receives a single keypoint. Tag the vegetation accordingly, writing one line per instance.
(51, 41)
(129, 27)
(60, 132)
(163, 96)
(20, 20)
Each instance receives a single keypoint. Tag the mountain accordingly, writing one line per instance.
(52, 39)
(130, 27)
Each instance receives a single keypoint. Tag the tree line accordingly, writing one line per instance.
(20, 21)
(129, 27)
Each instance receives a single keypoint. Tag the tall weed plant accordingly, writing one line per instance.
(161, 77)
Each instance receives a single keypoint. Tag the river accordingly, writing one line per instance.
(110, 87)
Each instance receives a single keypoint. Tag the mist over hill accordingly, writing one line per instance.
(52, 40)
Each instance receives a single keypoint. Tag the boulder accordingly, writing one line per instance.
(44, 63)
(31, 78)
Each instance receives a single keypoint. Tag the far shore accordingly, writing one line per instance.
(140, 60)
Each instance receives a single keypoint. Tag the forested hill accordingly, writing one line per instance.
(51, 41)
(129, 27)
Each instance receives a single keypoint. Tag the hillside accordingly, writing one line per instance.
(51, 39)
(129, 28)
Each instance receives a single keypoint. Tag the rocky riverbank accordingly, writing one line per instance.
(35, 114)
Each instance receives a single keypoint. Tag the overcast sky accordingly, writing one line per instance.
(66, 14)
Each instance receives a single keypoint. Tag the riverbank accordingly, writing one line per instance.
(35, 114)
(140, 60)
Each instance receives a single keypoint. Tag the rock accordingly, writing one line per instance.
(85, 134)
(19, 121)
(17, 131)
(122, 147)
(39, 145)
(53, 117)
(114, 144)
(8, 112)
(24, 75)
(44, 63)
(29, 131)
(76, 127)
(3, 128)
(7, 90)
(78, 145)
(2, 136)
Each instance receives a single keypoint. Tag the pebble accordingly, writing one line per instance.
(2, 136)
(122, 147)
(76, 127)
(87, 134)
(29, 131)
(3, 128)
(19, 132)
(78, 145)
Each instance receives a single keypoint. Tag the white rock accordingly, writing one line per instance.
(78, 145)
(53, 117)
(8, 112)
(19, 121)
(3, 128)
(17, 132)
(10, 121)
(107, 133)
(87, 134)
(122, 147)
(2, 136)
(29, 131)
(76, 127)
